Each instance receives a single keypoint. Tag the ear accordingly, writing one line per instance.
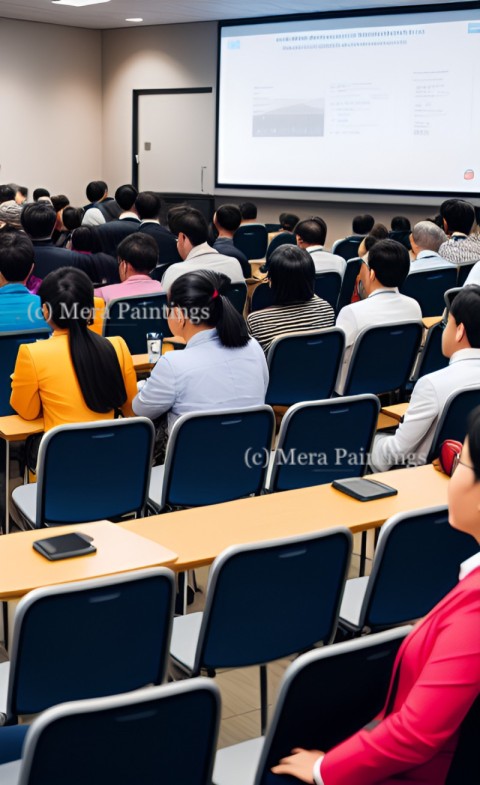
(460, 333)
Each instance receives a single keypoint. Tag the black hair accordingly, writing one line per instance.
(201, 296)
(6, 193)
(477, 216)
(400, 223)
(379, 231)
(229, 217)
(465, 309)
(59, 202)
(292, 275)
(363, 224)
(312, 230)
(140, 250)
(84, 238)
(174, 214)
(39, 192)
(458, 215)
(473, 433)
(248, 210)
(72, 217)
(390, 261)
(191, 222)
(288, 221)
(96, 190)
(147, 205)
(16, 256)
(38, 220)
(370, 241)
(68, 294)
(22, 189)
(125, 196)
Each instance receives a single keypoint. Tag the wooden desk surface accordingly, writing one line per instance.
(14, 428)
(429, 321)
(199, 535)
(396, 411)
(118, 550)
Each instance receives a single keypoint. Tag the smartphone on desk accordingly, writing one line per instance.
(65, 546)
(364, 490)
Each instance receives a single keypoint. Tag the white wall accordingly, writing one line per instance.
(50, 107)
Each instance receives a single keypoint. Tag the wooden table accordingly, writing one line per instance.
(429, 321)
(395, 412)
(14, 428)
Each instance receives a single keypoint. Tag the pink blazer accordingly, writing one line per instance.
(438, 680)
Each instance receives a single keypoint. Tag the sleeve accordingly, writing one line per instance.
(346, 320)
(128, 373)
(169, 276)
(401, 447)
(25, 397)
(317, 771)
(432, 712)
(158, 394)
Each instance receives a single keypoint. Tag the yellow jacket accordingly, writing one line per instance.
(44, 382)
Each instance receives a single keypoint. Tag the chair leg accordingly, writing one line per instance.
(181, 598)
(363, 554)
(263, 699)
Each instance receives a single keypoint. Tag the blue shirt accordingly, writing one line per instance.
(19, 309)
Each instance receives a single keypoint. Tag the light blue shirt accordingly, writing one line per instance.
(202, 377)
(20, 309)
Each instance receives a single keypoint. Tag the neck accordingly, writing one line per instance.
(225, 233)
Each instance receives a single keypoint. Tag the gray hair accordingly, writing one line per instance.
(428, 236)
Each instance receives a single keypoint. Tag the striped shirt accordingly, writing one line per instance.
(267, 324)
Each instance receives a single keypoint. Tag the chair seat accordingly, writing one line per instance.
(4, 677)
(156, 485)
(25, 497)
(10, 772)
(352, 600)
(185, 632)
(237, 765)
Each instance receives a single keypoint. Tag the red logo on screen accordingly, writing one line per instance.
(469, 174)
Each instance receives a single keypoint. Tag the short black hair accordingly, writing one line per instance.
(140, 251)
(379, 231)
(59, 201)
(190, 222)
(473, 433)
(400, 223)
(363, 224)
(147, 205)
(292, 275)
(38, 220)
(39, 192)
(229, 217)
(6, 193)
(16, 256)
(125, 196)
(84, 238)
(465, 309)
(390, 261)
(248, 210)
(312, 230)
(96, 190)
(72, 217)
(288, 221)
(458, 215)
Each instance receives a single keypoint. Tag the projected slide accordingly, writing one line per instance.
(382, 103)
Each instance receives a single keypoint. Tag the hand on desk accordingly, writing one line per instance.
(299, 764)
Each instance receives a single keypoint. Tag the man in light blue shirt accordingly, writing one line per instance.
(19, 308)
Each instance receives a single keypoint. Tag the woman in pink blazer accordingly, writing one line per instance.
(435, 679)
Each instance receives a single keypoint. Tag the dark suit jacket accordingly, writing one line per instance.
(49, 257)
(225, 246)
(110, 234)
(167, 243)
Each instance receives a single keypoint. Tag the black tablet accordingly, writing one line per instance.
(364, 490)
(65, 546)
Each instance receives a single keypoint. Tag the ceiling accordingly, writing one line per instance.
(154, 12)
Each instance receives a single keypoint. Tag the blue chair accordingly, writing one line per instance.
(463, 272)
(416, 563)
(272, 227)
(347, 248)
(452, 423)
(284, 238)
(237, 294)
(74, 641)
(304, 366)
(327, 286)
(262, 297)
(450, 295)
(338, 434)
(82, 476)
(265, 601)
(133, 317)
(325, 696)
(159, 271)
(9, 343)
(382, 358)
(428, 288)
(431, 358)
(207, 458)
(162, 734)
(252, 240)
(348, 282)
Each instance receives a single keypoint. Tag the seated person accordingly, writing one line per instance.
(226, 220)
(297, 307)
(99, 266)
(381, 303)
(458, 220)
(249, 213)
(221, 366)
(137, 257)
(19, 309)
(288, 221)
(311, 235)
(474, 275)
(425, 240)
(400, 228)
(412, 440)
(435, 678)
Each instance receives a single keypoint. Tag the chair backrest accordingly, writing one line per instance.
(383, 357)
(428, 287)
(304, 366)
(159, 271)
(347, 248)
(322, 441)
(450, 295)
(252, 240)
(463, 272)
(262, 297)
(328, 695)
(229, 443)
(237, 294)
(284, 238)
(432, 358)
(133, 317)
(271, 599)
(9, 343)
(348, 282)
(452, 423)
(273, 227)
(90, 638)
(162, 734)
(465, 767)
(90, 471)
(416, 563)
(327, 286)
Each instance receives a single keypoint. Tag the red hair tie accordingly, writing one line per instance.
(215, 294)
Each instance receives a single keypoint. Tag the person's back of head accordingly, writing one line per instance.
(173, 214)
(288, 221)
(96, 191)
(200, 297)
(59, 201)
(16, 256)
(147, 205)
(363, 224)
(400, 223)
(465, 309)
(390, 262)
(125, 196)
(84, 239)
(248, 211)
(228, 217)
(7, 194)
(11, 214)
(427, 236)
(292, 275)
(457, 215)
(140, 251)
(72, 217)
(38, 220)
(312, 231)
(39, 193)
(379, 231)
(192, 223)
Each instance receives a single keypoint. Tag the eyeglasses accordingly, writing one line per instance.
(364, 261)
(456, 461)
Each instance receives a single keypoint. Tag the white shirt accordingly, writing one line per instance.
(204, 257)
(325, 261)
(93, 217)
(413, 438)
(429, 260)
(202, 377)
(473, 275)
(383, 306)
